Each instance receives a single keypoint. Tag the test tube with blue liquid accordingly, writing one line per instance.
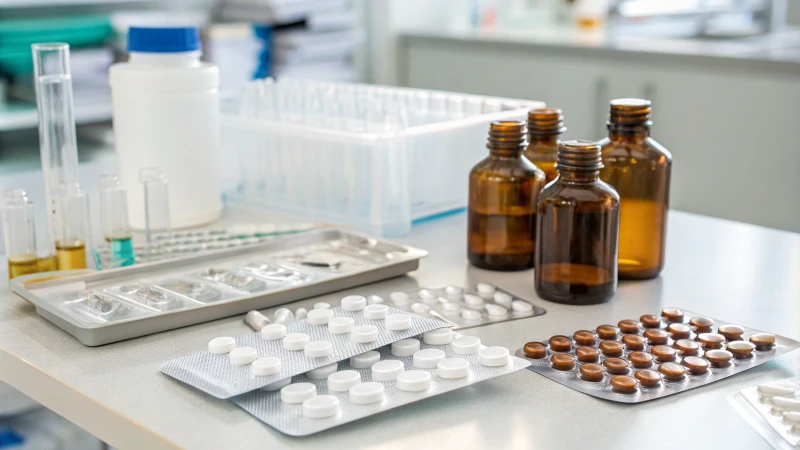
(114, 220)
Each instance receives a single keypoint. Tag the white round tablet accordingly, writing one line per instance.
(495, 310)
(420, 308)
(374, 299)
(398, 322)
(452, 368)
(466, 345)
(319, 316)
(221, 345)
(486, 290)
(414, 381)
(342, 381)
(793, 418)
(405, 347)
(493, 356)
(298, 392)
(273, 331)
(265, 366)
(439, 336)
(521, 306)
(322, 305)
(364, 334)
(321, 373)
(354, 303)
(366, 393)
(471, 314)
(387, 370)
(503, 298)
(242, 355)
(318, 349)
(278, 385)
(451, 307)
(295, 341)
(426, 294)
(365, 360)
(400, 298)
(767, 390)
(474, 300)
(300, 314)
(453, 292)
(376, 311)
(428, 358)
(341, 325)
(321, 406)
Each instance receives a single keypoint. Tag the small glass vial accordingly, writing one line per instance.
(639, 169)
(503, 189)
(73, 233)
(19, 233)
(577, 230)
(544, 127)
(114, 219)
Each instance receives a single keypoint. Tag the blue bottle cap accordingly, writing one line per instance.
(163, 40)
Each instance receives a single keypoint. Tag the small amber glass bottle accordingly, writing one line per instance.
(503, 189)
(544, 127)
(577, 230)
(639, 169)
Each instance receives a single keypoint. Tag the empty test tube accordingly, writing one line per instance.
(73, 233)
(114, 220)
(156, 204)
(19, 232)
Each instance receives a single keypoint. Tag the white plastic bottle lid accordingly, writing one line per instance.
(398, 322)
(486, 290)
(472, 299)
(439, 336)
(401, 298)
(495, 310)
(414, 381)
(767, 390)
(420, 308)
(273, 331)
(428, 358)
(354, 303)
(452, 368)
(521, 306)
(321, 406)
(426, 294)
(221, 345)
(466, 345)
(342, 381)
(503, 298)
(298, 392)
(364, 334)
(387, 370)
(405, 347)
(471, 314)
(300, 314)
(376, 311)
(493, 356)
(374, 299)
(295, 341)
(451, 307)
(319, 316)
(265, 366)
(341, 325)
(278, 385)
(366, 393)
(453, 292)
(318, 349)
(243, 355)
(322, 305)
(365, 360)
(786, 403)
(321, 373)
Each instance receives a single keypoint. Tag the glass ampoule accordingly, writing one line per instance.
(73, 234)
(503, 189)
(545, 125)
(577, 230)
(156, 208)
(114, 220)
(639, 169)
(19, 233)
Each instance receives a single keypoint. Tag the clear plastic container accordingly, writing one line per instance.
(371, 157)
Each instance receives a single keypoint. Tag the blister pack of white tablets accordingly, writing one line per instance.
(232, 367)
(403, 372)
(773, 409)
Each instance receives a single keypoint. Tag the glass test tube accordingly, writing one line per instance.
(156, 204)
(114, 220)
(19, 233)
(73, 234)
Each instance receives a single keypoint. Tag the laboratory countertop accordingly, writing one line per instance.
(732, 271)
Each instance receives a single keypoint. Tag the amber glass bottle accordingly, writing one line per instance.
(639, 169)
(544, 127)
(577, 229)
(503, 189)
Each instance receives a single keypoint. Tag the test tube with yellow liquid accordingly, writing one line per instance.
(19, 232)
(73, 232)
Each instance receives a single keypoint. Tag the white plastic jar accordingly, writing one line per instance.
(166, 115)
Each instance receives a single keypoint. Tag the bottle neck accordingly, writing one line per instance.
(543, 139)
(182, 59)
(578, 176)
(500, 152)
(628, 133)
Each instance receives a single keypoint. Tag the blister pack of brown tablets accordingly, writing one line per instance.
(655, 356)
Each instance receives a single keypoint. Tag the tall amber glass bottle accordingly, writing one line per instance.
(503, 189)
(544, 127)
(639, 169)
(577, 230)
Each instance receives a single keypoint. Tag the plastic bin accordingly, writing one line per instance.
(371, 157)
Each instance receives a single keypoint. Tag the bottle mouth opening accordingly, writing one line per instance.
(507, 134)
(579, 156)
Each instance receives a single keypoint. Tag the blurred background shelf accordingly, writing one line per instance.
(22, 115)
(60, 3)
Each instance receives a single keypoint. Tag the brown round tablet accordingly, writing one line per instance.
(731, 332)
(663, 353)
(560, 344)
(640, 360)
(686, 347)
(719, 358)
(616, 366)
(611, 348)
(655, 336)
(628, 326)
(672, 371)
(650, 321)
(672, 314)
(679, 330)
(763, 341)
(535, 350)
(623, 384)
(648, 378)
(562, 362)
(695, 364)
(591, 372)
(741, 349)
(587, 354)
(711, 340)
(605, 332)
(701, 324)
(633, 342)
(584, 337)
